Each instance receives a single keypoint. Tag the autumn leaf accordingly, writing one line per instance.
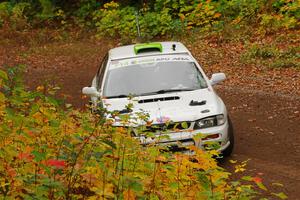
(25, 156)
(129, 195)
(280, 195)
(56, 163)
(217, 15)
(40, 88)
(233, 161)
(257, 179)
(261, 186)
(278, 184)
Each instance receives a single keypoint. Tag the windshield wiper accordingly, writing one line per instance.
(152, 93)
(167, 91)
(117, 96)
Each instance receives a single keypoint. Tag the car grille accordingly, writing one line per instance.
(167, 127)
(183, 145)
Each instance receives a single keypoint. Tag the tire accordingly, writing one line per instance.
(227, 152)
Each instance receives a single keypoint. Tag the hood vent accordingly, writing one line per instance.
(159, 99)
(197, 103)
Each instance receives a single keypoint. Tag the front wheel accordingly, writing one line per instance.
(227, 152)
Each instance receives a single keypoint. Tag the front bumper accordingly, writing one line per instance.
(187, 138)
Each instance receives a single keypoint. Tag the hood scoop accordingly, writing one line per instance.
(197, 103)
(159, 99)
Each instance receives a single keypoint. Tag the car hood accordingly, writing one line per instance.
(176, 107)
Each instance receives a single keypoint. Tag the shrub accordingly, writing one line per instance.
(121, 22)
(240, 11)
(5, 10)
(14, 14)
(165, 18)
(285, 63)
(115, 22)
(261, 51)
(272, 56)
(157, 17)
(285, 15)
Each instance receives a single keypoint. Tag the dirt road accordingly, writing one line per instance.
(267, 131)
(267, 124)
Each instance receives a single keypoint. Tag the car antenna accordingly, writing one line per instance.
(138, 25)
(174, 47)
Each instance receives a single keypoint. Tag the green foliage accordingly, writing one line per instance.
(5, 9)
(240, 10)
(262, 51)
(85, 12)
(157, 17)
(47, 9)
(4, 12)
(121, 22)
(286, 16)
(15, 14)
(51, 152)
(114, 22)
(272, 56)
(165, 18)
(172, 17)
(153, 24)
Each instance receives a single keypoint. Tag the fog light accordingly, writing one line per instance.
(211, 136)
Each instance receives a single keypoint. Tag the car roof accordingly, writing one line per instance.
(129, 51)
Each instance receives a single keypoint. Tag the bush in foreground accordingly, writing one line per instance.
(51, 152)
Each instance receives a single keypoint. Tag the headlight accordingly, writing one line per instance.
(207, 122)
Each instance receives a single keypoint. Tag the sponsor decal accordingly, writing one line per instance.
(163, 119)
(136, 61)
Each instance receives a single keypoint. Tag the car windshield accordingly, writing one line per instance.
(152, 78)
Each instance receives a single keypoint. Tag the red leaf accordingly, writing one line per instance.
(257, 179)
(25, 156)
(56, 163)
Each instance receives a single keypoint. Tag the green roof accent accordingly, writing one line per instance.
(147, 46)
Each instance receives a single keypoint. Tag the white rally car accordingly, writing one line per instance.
(166, 82)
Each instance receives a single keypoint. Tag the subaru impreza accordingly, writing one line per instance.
(164, 81)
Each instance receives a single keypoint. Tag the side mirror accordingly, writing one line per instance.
(217, 78)
(90, 91)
